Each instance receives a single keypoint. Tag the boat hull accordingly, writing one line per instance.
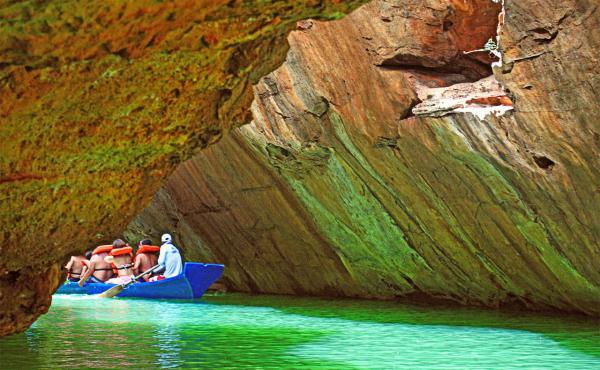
(191, 284)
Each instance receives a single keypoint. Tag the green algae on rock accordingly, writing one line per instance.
(100, 102)
(336, 188)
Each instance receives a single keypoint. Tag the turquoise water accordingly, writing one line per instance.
(238, 331)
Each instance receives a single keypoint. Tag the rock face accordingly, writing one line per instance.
(338, 188)
(99, 101)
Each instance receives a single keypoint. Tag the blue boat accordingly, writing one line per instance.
(191, 284)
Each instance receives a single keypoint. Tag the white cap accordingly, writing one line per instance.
(166, 238)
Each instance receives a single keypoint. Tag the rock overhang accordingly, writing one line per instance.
(461, 206)
(528, 54)
(100, 102)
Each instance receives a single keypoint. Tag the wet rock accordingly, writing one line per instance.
(365, 199)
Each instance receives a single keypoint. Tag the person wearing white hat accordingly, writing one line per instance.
(169, 258)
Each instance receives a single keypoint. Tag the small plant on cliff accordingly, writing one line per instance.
(491, 46)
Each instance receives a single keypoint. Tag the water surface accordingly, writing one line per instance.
(238, 331)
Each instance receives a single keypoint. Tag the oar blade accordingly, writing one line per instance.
(112, 291)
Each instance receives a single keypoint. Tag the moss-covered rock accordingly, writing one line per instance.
(101, 100)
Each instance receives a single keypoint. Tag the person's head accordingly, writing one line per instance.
(118, 243)
(166, 238)
(145, 242)
(88, 255)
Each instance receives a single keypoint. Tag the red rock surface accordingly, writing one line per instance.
(99, 101)
(337, 189)
(440, 31)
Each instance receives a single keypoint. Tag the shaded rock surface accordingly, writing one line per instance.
(336, 188)
(99, 101)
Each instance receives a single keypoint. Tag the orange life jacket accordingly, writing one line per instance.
(122, 251)
(102, 249)
(148, 249)
(127, 250)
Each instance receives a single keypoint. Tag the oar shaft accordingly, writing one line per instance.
(142, 274)
(119, 288)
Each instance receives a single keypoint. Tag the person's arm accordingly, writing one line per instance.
(146, 260)
(84, 268)
(69, 264)
(162, 256)
(87, 274)
(136, 265)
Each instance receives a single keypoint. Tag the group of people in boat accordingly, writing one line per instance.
(117, 264)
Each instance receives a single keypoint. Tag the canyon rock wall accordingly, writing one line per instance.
(352, 181)
(99, 101)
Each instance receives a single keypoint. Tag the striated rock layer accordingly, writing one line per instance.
(99, 101)
(336, 188)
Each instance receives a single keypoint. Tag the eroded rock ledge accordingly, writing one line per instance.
(482, 97)
(337, 188)
(99, 101)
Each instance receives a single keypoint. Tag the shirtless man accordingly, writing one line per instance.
(145, 258)
(98, 270)
(74, 267)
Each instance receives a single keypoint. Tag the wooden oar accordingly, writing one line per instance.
(119, 288)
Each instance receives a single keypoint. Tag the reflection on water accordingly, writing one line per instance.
(168, 341)
(238, 331)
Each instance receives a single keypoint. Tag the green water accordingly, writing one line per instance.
(238, 331)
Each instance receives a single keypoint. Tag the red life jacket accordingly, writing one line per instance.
(146, 249)
(102, 249)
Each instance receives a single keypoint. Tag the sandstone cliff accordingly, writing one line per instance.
(378, 163)
(99, 101)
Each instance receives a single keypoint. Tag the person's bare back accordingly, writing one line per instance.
(146, 258)
(121, 257)
(97, 268)
(74, 266)
(102, 269)
(144, 262)
(123, 264)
